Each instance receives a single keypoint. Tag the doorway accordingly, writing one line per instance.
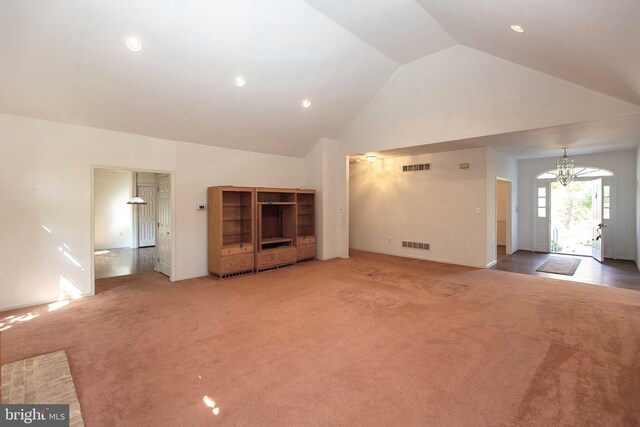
(126, 237)
(503, 218)
(572, 219)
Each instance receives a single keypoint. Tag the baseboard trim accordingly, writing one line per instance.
(491, 264)
(443, 261)
(34, 304)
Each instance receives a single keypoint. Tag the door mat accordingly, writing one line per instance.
(44, 379)
(560, 265)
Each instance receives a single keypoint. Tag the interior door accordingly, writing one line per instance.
(163, 241)
(597, 248)
(147, 216)
(542, 216)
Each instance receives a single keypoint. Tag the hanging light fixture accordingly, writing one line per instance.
(564, 169)
(136, 200)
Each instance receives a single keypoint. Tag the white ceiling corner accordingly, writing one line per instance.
(400, 29)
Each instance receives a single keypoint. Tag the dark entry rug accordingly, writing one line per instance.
(560, 265)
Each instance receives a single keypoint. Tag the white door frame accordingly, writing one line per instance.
(611, 181)
(508, 219)
(93, 218)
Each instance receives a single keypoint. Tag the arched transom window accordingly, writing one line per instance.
(580, 172)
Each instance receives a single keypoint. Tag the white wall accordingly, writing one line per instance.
(622, 164)
(461, 93)
(638, 207)
(113, 216)
(49, 167)
(326, 171)
(199, 167)
(436, 207)
(504, 167)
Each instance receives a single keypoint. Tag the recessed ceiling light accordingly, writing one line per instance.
(517, 28)
(306, 103)
(134, 44)
(240, 81)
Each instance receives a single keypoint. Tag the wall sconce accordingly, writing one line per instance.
(372, 158)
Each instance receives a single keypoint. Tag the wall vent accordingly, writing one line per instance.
(415, 168)
(415, 245)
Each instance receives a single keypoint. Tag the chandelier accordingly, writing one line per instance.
(564, 169)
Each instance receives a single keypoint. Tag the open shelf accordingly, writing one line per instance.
(271, 240)
(272, 197)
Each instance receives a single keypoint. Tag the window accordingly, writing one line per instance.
(542, 202)
(580, 172)
(606, 202)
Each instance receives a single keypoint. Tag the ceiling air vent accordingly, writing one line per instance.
(416, 168)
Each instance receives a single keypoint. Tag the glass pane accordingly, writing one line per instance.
(542, 212)
(542, 202)
(542, 192)
(605, 202)
(606, 214)
(579, 171)
(547, 175)
(606, 190)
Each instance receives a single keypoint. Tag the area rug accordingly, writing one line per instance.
(44, 379)
(560, 265)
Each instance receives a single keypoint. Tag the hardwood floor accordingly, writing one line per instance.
(612, 273)
(123, 261)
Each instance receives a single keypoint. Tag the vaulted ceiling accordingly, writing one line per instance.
(68, 61)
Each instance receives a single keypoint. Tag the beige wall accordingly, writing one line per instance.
(113, 216)
(49, 167)
(445, 207)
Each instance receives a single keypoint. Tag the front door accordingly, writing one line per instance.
(147, 216)
(597, 248)
(163, 243)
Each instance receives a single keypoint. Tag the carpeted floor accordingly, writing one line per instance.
(373, 340)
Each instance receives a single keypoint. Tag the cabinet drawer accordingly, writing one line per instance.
(306, 240)
(286, 255)
(266, 258)
(306, 251)
(236, 263)
(237, 250)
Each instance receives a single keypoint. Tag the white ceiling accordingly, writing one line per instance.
(594, 43)
(67, 61)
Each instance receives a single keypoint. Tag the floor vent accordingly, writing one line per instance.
(415, 245)
(414, 168)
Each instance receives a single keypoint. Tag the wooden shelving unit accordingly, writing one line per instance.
(255, 229)
(306, 230)
(231, 230)
(276, 214)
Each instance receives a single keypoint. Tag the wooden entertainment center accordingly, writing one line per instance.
(255, 229)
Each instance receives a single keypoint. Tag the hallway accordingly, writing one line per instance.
(124, 261)
(611, 273)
